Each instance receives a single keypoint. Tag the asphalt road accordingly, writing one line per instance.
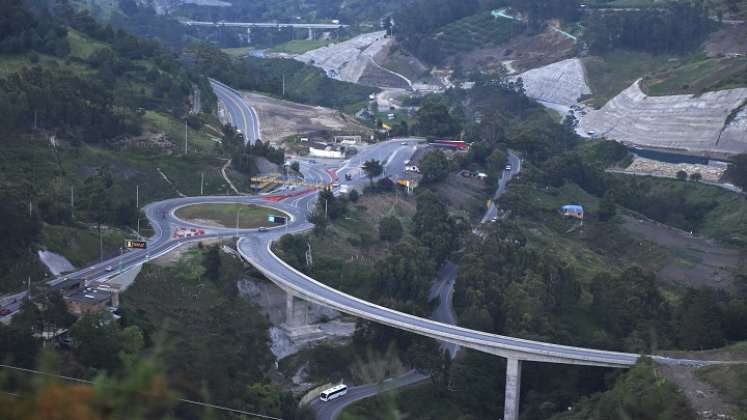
(240, 114)
(515, 163)
(331, 409)
(443, 289)
(254, 246)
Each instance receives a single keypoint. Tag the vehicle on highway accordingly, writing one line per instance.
(262, 229)
(508, 167)
(404, 143)
(4, 311)
(336, 391)
(412, 168)
(109, 268)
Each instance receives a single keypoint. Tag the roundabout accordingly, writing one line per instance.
(231, 215)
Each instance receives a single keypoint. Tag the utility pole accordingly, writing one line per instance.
(202, 182)
(101, 246)
(72, 201)
(237, 220)
(185, 136)
(283, 95)
(325, 208)
(34, 119)
(137, 197)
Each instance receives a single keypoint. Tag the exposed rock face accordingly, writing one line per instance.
(558, 85)
(696, 124)
(353, 61)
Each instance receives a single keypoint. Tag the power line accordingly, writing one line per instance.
(181, 400)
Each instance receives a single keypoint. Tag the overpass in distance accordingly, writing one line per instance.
(222, 23)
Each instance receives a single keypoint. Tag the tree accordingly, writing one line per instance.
(433, 227)
(97, 342)
(682, 175)
(405, 275)
(607, 208)
(737, 171)
(211, 262)
(353, 196)
(329, 206)
(699, 324)
(372, 168)
(295, 166)
(390, 229)
(434, 119)
(434, 167)
(696, 176)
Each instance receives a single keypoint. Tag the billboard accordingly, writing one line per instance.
(279, 220)
(135, 244)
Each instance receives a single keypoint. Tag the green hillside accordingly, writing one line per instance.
(86, 114)
(476, 31)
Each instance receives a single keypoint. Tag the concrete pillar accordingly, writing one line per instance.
(248, 35)
(513, 388)
(311, 34)
(289, 312)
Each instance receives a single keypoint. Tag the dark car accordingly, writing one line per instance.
(4, 311)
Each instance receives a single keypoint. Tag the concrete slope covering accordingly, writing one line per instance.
(558, 85)
(686, 123)
(734, 135)
(353, 61)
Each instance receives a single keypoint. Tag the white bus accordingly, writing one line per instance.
(334, 392)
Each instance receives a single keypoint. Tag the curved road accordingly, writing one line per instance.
(255, 247)
(240, 114)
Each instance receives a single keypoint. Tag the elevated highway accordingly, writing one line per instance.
(256, 248)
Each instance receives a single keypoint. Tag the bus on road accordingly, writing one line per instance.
(334, 392)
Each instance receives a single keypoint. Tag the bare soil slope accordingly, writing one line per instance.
(281, 119)
(524, 51)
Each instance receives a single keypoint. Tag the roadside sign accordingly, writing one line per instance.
(280, 220)
(135, 244)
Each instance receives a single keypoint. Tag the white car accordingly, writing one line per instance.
(412, 168)
(109, 268)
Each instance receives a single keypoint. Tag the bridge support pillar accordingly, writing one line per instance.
(513, 388)
(289, 309)
(248, 35)
(311, 34)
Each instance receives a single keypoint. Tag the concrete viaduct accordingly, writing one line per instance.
(249, 25)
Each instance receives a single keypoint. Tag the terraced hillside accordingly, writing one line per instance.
(705, 124)
(475, 31)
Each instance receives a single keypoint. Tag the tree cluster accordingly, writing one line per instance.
(417, 20)
(671, 27)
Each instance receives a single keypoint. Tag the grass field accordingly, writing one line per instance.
(199, 140)
(699, 74)
(80, 245)
(249, 216)
(81, 46)
(237, 52)
(611, 73)
(299, 46)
